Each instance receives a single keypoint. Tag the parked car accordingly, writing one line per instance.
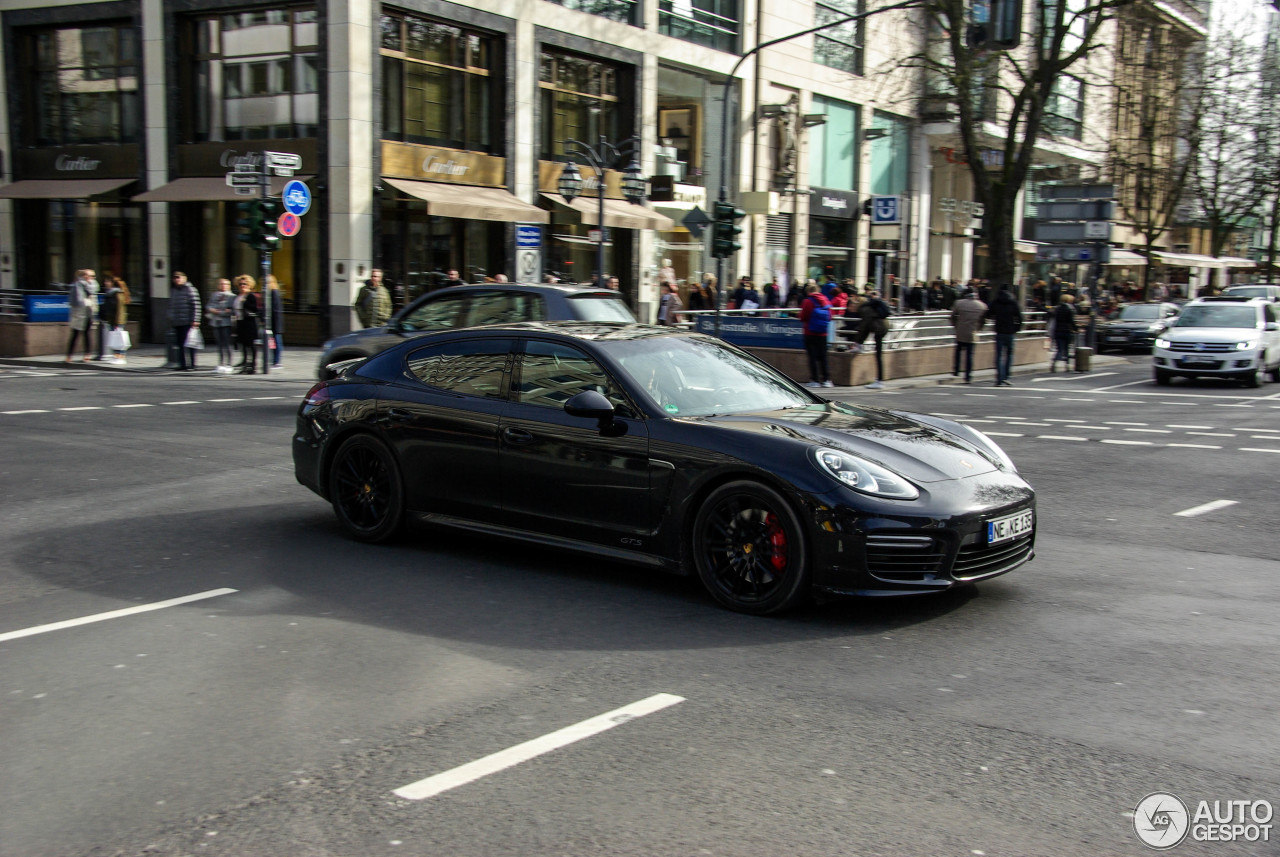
(666, 448)
(472, 306)
(1221, 337)
(1136, 325)
(1254, 290)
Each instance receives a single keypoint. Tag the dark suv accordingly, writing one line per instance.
(472, 306)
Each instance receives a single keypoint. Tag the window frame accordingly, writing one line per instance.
(835, 10)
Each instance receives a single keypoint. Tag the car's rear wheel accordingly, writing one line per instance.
(749, 549)
(1163, 378)
(366, 490)
(1275, 374)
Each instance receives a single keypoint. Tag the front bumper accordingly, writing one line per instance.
(1225, 363)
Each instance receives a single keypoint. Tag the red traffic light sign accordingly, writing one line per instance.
(288, 224)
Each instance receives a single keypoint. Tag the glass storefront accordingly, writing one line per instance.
(73, 234)
(571, 254)
(418, 250)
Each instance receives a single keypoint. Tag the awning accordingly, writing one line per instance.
(470, 203)
(1127, 258)
(207, 189)
(618, 213)
(61, 188)
(1193, 260)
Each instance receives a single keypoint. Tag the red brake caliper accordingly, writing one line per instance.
(777, 541)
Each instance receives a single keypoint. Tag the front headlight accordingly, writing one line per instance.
(1155, 328)
(1245, 346)
(1162, 343)
(861, 475)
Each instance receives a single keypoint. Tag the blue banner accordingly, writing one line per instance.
(47, 307)
(755, 332)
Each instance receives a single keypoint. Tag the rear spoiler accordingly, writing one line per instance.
(340, 368)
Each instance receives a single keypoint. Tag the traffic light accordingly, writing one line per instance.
(725, 229)
(268, 238)
(250, 221)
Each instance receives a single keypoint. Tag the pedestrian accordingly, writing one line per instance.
(452, 279)
(1007, 318)
(669, 305)
(276, 342)
(830, 286)
(1063, 319)
(815, 318)
(703, 295)
(873, 315)
(184, 320)
(613, 284)
(745, 296)
(967, 317)
(114, 314)
(246, 314)
(772, 295)
(373, 302)
(104, 325)
(220, 313)
(795, 295)
(82, 297)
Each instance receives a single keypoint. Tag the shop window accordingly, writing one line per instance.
(713, 23)
(579, 101)
(254, 75)
(84, 88)
(622, 11)
(440, 84)
(890, 155)
(840, 46)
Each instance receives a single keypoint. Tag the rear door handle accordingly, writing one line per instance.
(400, 413)
(519, 436)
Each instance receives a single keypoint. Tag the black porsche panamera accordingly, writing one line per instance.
(666, 448)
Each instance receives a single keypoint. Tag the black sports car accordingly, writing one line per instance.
(667, 448)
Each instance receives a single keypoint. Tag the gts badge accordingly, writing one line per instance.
(632, 543)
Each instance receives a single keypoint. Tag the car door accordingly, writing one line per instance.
(1271, 334)
(443, 418)
(562, 475)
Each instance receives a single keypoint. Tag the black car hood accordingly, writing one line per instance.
(1129, 325)
(916, 450)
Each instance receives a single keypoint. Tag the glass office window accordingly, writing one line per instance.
(833, 145)
(84, 88)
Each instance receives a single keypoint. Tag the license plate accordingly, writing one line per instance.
(1117, 338)
(1199, 361)
(1010, 527)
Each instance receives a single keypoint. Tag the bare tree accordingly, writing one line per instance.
(1010, 87)
(1268, 142)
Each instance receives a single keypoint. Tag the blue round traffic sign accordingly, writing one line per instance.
(297, 198)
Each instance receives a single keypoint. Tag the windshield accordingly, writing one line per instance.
(697, 376)
(599, 308)
(1218, 315)
(1139, 313)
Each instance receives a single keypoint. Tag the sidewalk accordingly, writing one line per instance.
(298, 364)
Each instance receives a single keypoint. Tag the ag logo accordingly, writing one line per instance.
(1161, 821)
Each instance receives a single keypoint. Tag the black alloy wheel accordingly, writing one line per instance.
(749, 549)
(1163, 378)
(365, 488)
(1251, 379)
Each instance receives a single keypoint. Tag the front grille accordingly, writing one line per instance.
(981, 560)
(904, 559)
(1205, 347)
(1208, 365)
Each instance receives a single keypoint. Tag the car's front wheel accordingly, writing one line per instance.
(749, 549)
(1251, 379)
(1163, 378)
(366, 490)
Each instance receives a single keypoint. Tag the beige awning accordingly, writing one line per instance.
(61, 188)
(1126, 258)
(1195, 260)
(207, 189)
(471, 203)
(618, 213)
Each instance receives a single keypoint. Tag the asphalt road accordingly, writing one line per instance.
(1136, 654)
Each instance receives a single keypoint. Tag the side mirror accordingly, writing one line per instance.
(592, 405)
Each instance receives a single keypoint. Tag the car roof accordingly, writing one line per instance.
(566, 289)
(594, 331)
(1230, 299)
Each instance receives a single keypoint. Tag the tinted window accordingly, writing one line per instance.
(472, 367)
(1248, 291)
(551, 374)
(505, 308)
(599, 308)
(1139, 313)
(1218, 315)
(1269, 312)
(439, 314)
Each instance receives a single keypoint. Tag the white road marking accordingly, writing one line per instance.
(181, 403)
(503, 759)
(1211, 433)
(1095, 428)
(113, 614)
(1183, 404)
(1037, 425)
(1124, 401)
(1115, 423)
(1151, 431)
(979, 421)
(265, 398)
(1259, 429)
(225, 400)
(1091, 401)
(133, 406)
(1003, 434)
(1235, 405)
(1030, 397)
(1172, 425)
(1194, 445)
(1059, 437)
(1052, 420)
(86, 408)
(1204, 509)
(33, 411)
(1118, 386)
(1128, 442)
(982, 395)
(1257, 449)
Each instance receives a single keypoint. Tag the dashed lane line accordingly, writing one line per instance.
(30, 411)
(133, 406)
(1127, 442)
(1196, 511)
(83, 408)
(1061, 437)
(1211, 433)
(1061, 420)
(1258, 449)
(1194, 445)
(1003, 434)
(113, 614)
(1151, 430)
(512, 756)
(1172, 425)
(1117, 423)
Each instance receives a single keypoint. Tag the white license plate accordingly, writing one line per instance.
(1117, 338)
(1199, 361)
(1010, 527)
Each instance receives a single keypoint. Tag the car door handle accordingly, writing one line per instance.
(512, 435)
(400, 413)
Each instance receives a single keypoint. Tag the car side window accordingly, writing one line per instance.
(444, 313)
(468, 367)
(498, 307)
(551, 374)
(1270, 312)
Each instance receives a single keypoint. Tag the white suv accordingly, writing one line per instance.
(1221, 337)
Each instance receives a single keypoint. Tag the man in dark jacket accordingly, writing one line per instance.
(184, 318)
(1007, 318)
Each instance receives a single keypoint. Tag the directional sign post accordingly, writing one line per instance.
(283, 163)
(528, 253)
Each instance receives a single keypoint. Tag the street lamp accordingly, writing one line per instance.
(602, 157)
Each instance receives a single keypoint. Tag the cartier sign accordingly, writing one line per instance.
(429, 163)
(216, 159)
(80, 162)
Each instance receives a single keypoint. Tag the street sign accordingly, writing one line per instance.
(288, 224)
(246, 191)
(1073, 232)
(528, 265)
(528, 236)
(284, 160)
(243, 180)
(297, 198)
(1091, 210)
(885, 210)
(595, 234)
(246, 167)
(696, 221)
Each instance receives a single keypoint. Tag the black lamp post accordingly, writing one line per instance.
(603, 156)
